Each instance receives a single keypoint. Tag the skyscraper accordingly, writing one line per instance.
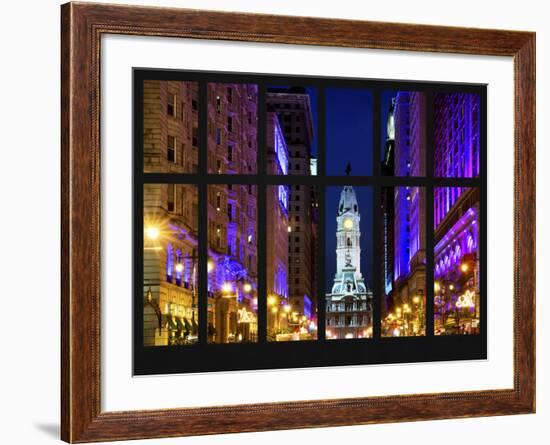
(293, 108)
(404, 222)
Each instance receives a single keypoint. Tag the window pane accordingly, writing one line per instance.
(348, 131)
(403, 270)
(456, 135)
(170, 285)
(291, 263)
(456, 257)
(292, 120)
(170, 126)
(348, 262)
(403, 150)
(232, 263)
(232, 128)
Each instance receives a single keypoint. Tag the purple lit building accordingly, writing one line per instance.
(456, 256)
(456, 214)
(456, 135)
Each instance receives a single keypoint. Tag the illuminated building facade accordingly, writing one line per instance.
(171, 214)
(404, 220)
(456, 214)
(456, 259)
(232, 214)
(293, 109)
(456, 135)
(349, 304)
(277, 232)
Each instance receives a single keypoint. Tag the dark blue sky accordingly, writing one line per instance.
(348, 131)
(364, 198)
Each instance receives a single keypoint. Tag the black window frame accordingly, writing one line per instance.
(210, 357)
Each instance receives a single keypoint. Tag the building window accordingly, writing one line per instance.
(230, 124)
(171, 198)
(172, 105)
(195, 137)
(171, 149)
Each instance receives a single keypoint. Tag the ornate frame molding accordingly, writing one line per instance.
(82, 26)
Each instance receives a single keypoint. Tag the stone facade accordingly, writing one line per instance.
(171, 214)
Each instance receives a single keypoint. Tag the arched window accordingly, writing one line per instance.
(348, 241)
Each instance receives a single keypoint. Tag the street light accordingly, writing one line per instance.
(227, 288)
(152, 232)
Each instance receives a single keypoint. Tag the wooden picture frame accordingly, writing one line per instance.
(82, 26)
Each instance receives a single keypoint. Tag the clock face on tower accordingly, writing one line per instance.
(348, 224)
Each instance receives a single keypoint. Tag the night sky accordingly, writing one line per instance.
(349, 131)
(349, 139)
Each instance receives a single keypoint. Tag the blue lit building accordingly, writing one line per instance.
(403, 213)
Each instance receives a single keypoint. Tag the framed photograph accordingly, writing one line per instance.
(265, 229)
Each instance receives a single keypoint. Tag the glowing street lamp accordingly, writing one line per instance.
(210, 266)
(227, 288)
(464, 267)
(271, 300)
(179, 267)
(247, 288)
(152, 232)
(437, 286)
